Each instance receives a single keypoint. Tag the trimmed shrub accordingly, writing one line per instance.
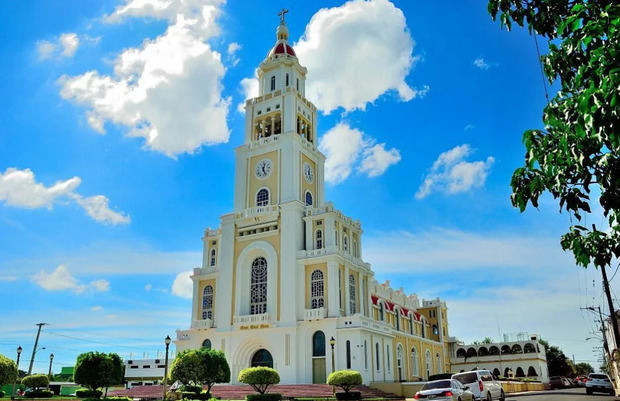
(88, 394)
(264, 397)
(191, 389)
(351, 395)
(36, 381)
(8, 370)
(345, 379)
(260, 378)
(39, 394)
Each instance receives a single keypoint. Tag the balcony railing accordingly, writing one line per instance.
(202, 324)
(251, 319)
(257, 211)
(315, 314)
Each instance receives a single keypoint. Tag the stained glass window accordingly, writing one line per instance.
(319, 239)
(207, 302)
(258, 287)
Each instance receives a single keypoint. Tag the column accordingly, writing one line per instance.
(333, 308)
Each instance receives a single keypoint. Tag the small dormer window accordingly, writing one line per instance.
(273, 83)
(286, 79)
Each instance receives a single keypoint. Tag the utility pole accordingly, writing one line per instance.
(34, 350)
(612, 310)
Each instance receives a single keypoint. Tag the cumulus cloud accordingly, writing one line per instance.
(183, 286)
(348, 148)
(62, 280)
(63, 46)
(451, 174)
(169, 89)
(249, 87)
(231, 52)
(482, 64)
(360, 41)
(19, 188)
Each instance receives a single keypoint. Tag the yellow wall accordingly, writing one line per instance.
(270, 182)
(305, 185)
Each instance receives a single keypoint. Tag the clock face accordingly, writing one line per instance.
(263, 168)
(308, 172)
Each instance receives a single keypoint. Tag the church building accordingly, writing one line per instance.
(283, 282)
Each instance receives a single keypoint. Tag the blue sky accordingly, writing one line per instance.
(99, 217)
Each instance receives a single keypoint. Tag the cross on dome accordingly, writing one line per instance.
(281, 14)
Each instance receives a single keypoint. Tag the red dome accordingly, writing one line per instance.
(280, 49)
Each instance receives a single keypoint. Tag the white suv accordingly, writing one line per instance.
(482, 384)
(599, 382)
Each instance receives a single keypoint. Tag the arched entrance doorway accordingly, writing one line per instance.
(399, 362)
(318, 358)
(262, 357)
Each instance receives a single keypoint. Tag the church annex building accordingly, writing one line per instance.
(283, 277)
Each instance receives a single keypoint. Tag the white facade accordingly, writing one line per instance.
(284, 272)
(506, 359)
(144, 372)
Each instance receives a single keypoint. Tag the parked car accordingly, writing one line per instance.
(445, 390)
(482, 384)
(599, 382)
(558, 382)
(581, 381)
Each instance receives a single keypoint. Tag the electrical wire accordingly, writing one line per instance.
(542, 72)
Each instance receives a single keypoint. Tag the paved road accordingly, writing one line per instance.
(573, 394)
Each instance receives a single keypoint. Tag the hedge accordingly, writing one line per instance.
(88, 394)
(36, 381)
(39, 394)
(350, 395)
(345, 379)
(260, 378)
(264, 397)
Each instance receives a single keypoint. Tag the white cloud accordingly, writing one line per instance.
(348, 148)
(148, 287)
(64, 46)
(231, 51)
(249, 87)
(8, 278)
(96, 308)
(183, 286)
(61, 280)
(481, 63)
(451, 174)
(167, 91)
(19, 188)
(360, 41)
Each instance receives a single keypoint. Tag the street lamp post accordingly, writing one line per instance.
(49, 372)
(168, 341)
(19, 352)
(332, 342)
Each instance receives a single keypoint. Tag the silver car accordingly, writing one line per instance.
(448, 390)
(599, 382)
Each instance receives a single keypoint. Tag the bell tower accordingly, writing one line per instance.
(279, 161)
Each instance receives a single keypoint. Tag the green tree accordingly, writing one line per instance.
(97, 370)
(200, 367)
(36, 381)
(260, 378)
(583, 369)
(557, 363)
(576, 156)
(8, 371)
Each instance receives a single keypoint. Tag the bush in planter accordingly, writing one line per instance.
(85, 393)
(39, 394)
(260, 378)
(36, 381)
(346, 380)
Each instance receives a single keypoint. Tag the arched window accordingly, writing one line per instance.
(471, 352)
(531, 372)
(297, 84)
(516, 349)
(207, 302)
(415, 371)
(410, 323)
(483, 351)
(435, 329)
(308, 198)
(336, 239)
(381, 314)
(206, 344)
(262, 357)
(388, 358)
(377, 356)
(365, 354)
(399, 362)
(318, 344)
(496, 372)
(505, 349)
(345, 243)
(287, 79)
(352, 302)
(428, 363)
(273, 83)
(493, 350)
(423, 328)
(354, 246)
(460, 353)
(439, 367)
(348, 349)
(212, 257)
(262, 197)
(317, 290)
(519, 372)
(258, 284)
(319, 239)
(529, 348)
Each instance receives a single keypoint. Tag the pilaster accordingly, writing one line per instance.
(333, 301)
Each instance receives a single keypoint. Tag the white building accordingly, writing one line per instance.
(507, 359)
(145, 372)
(284, 273)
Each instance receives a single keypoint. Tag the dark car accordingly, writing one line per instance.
(557, 382)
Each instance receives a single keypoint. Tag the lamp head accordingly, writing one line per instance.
(168, 340)
(51, 356)
(19, 350)
(332, 341)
